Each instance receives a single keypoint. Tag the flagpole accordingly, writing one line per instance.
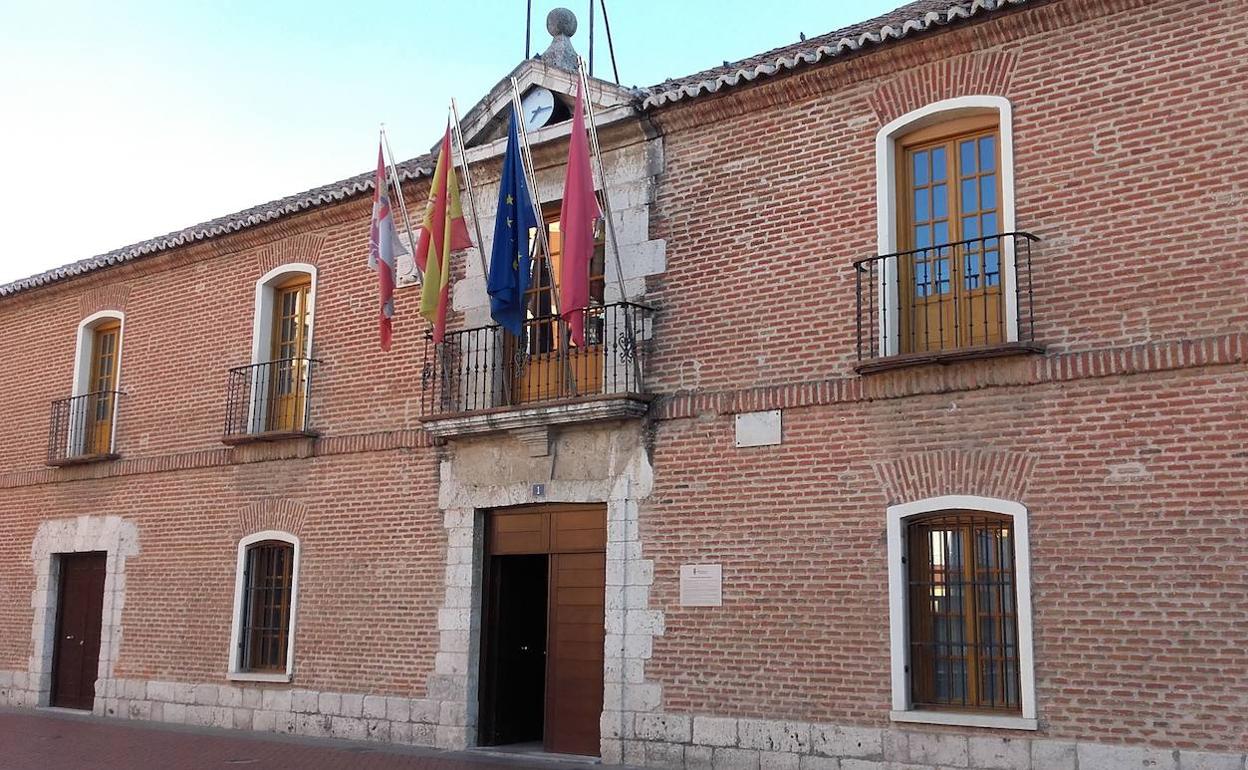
(530, 172)
(472, 200)
(606, 206)
(602, 177)
(535, 198)
(398, 189)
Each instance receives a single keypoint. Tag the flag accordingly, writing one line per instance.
(442, 232)
(509, 259)
(384, 248)
(576, 227)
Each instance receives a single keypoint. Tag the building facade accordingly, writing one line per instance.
(909, 431)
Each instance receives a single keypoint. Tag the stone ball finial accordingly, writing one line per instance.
(561, 22)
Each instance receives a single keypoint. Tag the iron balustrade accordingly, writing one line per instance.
(271, 398)
(489, 368)
(80, 428)
(946, 297)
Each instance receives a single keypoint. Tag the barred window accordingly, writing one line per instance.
(964, 650)
(265, 620)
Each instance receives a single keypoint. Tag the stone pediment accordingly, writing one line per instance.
(485, 124)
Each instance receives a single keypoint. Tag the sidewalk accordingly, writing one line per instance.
(56, 740)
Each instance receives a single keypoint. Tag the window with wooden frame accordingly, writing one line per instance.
(963, 616)
(97, 412)
(289, 340)
(549, 371)
(948, 212)
(267, 598)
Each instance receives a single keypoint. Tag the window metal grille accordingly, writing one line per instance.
(267, 586)
(963, 619)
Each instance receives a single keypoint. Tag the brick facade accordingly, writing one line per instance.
(1126, 439)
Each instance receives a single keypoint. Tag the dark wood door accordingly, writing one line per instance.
(79, 617)
(575, 662)
(571, 542)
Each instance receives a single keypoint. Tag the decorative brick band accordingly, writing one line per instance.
(298, 248)
(381, 441)
(979, 73)
(1145, 358)
(920, 475)
(110, 297)
(275, 513)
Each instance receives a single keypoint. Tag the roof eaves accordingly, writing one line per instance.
(715, 80)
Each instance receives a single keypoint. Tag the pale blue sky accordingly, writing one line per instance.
(126, 119)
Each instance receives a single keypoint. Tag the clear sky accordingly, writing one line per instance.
(121, 120)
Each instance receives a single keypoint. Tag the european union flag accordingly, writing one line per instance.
(509, 260)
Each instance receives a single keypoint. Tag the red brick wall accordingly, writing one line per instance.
(1123, 129)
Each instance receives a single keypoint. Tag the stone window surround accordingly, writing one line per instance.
(113, 535)
(886, 156)
(898, 616)
(84, 350)
(235, 670)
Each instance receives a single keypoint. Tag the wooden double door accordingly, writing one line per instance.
(79, 621)
(544, 627)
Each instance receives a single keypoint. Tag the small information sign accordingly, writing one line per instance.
(701, 585)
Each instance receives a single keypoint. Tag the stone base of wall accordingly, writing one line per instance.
(351, 716)
(676, 741)
(711, 743)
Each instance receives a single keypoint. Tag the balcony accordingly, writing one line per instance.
(485, 379)
(269, 401)
(80, 429)
(954, 301)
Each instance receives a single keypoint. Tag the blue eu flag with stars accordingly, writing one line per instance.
(509, 260)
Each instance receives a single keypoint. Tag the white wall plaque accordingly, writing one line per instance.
(758, 428)
(701, 585)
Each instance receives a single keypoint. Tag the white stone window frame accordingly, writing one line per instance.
(236, 670)
(899, 619)
(84, 351)
(886, 160)
(262, 333)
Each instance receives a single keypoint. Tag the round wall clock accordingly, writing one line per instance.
(538, 106)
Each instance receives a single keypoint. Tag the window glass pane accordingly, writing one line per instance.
(920, 167)
(938, 164)
(922, 208)
(988, 191)
(988, 153)
(922, 236)
(970, 199)
(940, 201)
(940, 234)
(920, 279)
(942, 276)
(966, 155)
(970, 228)
(989, 223)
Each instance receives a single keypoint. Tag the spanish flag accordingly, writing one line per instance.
(444, 230)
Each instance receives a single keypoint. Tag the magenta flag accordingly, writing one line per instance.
(576, 227)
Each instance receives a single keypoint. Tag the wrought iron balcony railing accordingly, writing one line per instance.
(80, 428)
(941, 299)
(488, 368)
(269, 400)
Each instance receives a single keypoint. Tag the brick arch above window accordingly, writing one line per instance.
(277, 514)
(304, 249)
(973, 74)
(924, 475)
(101, 298)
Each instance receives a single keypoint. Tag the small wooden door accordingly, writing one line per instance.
(288, 370)
(950, 186)
(572, 540)
(98, 409)
(79, 618)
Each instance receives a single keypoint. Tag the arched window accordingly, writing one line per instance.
(279, 378)
(960, 612)
(91, 412)
(264, 607)
(945, 174)
(963, 617)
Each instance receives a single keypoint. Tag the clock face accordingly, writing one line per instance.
(538, 106)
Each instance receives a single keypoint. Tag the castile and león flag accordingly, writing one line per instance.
(384, 249)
